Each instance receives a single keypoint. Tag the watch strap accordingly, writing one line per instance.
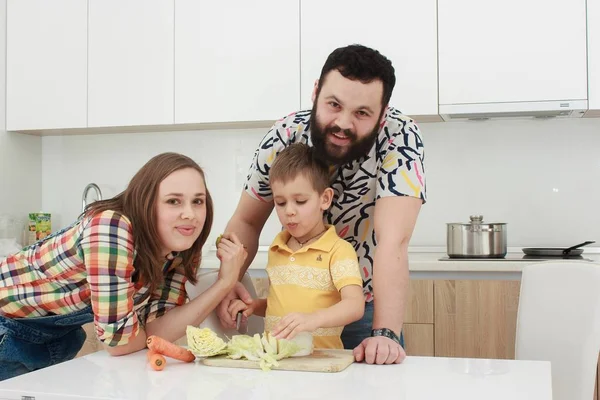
(388, 333)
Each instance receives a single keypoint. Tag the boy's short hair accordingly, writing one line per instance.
(299, 158)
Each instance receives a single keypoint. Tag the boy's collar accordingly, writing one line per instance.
(324, 243)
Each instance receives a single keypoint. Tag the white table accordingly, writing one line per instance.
(100, 376)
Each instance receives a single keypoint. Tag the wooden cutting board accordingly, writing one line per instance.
(322, 360)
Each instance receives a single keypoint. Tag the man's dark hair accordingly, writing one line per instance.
(358, 62)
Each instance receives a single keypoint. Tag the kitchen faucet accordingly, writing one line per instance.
(85, 192)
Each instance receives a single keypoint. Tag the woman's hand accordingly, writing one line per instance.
(232, 254)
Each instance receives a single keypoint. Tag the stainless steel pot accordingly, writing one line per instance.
(476, 239)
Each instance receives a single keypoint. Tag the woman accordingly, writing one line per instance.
(123, 264)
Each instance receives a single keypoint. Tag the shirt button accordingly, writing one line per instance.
(292, 259)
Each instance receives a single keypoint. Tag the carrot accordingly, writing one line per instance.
(157, 361)
(150, 354)
(166, 348)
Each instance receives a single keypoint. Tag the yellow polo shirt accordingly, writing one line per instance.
(310, 279)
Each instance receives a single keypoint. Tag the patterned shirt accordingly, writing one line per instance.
(393, 167)
(310, 279)
(90, 262)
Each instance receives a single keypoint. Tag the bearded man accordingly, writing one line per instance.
(376, 158)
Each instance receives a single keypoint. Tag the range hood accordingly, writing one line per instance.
(514, 110)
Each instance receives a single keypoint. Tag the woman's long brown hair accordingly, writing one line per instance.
(138, 203)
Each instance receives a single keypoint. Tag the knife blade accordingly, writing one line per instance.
(241, 324)
(238, 321)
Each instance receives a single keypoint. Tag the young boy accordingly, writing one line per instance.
(315, 281)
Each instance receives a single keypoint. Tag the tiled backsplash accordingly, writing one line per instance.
(539, 176)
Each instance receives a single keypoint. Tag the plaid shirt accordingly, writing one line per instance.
(90, 262)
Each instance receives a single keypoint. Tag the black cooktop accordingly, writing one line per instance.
(517, 257)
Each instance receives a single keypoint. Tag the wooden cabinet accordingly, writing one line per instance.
(511, 51)
(593, 29)
(418, 320)
(405, 31)
(461, 318)
(236, 60)
(131, 54)
(419, 305)
(46, 64)
(419, 340)
(475, 318)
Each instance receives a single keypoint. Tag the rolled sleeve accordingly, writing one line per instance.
(402, 171)
(107, 247)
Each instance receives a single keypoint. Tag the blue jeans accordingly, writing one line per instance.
(354, 333)
(28, 344)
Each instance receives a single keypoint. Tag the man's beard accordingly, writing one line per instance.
(333, 153)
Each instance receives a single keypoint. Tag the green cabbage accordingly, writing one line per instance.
(266, 350)
(304, 341)
(203, 342)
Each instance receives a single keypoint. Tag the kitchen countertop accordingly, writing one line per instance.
(424, 263)
(100, 376)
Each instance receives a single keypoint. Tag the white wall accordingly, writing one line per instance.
(20, 155)
(542, 177)
(110, 161)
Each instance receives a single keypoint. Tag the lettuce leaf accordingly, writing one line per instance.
(203, 342)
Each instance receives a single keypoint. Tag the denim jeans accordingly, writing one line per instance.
(354, 333)
(28, 344)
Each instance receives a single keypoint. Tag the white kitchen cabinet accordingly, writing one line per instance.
(236, 60)
(593, 26)
(404, 31)
(511, 51)
(130, 62)
(46, 64)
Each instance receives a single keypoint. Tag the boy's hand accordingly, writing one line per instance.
(294, 323)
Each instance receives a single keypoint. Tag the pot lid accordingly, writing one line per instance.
(476, 220)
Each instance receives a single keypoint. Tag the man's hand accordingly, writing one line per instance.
(232, 254)
(238, 292)
(379, 350)
(294, 323)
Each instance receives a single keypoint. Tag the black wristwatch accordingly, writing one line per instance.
(388, 333)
